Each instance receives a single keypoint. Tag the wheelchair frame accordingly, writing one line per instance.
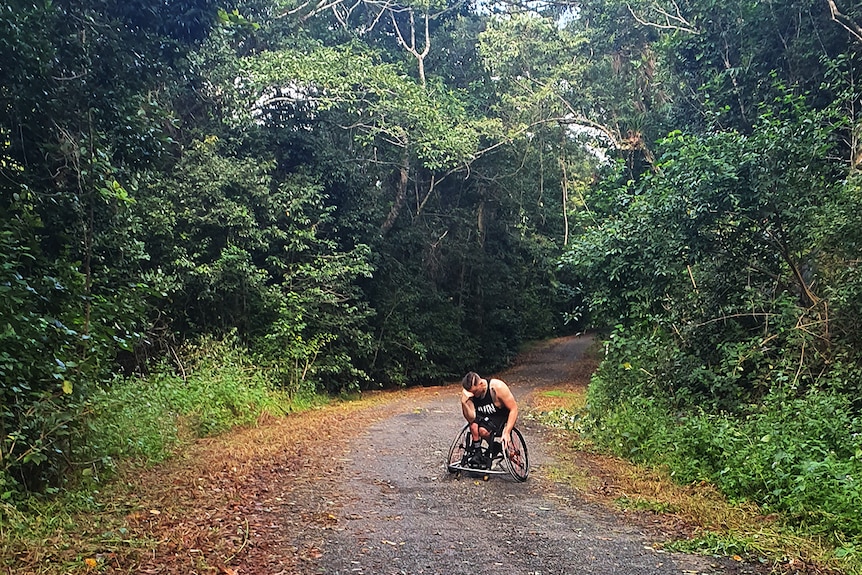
(513, 461)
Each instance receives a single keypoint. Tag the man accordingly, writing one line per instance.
(490, 408)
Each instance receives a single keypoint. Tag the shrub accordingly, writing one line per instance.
(795, 455)
(142, 418)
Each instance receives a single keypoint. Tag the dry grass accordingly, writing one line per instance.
(190, 514)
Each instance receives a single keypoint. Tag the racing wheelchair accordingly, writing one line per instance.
(489, 457)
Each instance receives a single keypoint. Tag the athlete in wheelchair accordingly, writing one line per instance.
(489, 442)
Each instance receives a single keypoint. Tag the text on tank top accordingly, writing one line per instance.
(485, 405)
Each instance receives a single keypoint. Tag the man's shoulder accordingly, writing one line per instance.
(497, 385)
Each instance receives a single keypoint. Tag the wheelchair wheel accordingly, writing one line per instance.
(516, 457)
(458, 449)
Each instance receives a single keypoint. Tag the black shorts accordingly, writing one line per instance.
(493, 424)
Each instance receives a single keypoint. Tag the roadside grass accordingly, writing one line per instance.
(714, 525)
(186, 501)
(126, 428)
(63, 533)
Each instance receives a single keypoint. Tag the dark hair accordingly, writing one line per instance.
(471, 379)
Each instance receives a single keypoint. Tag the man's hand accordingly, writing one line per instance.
(467, 394)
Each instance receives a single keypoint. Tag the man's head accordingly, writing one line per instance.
(471, 380)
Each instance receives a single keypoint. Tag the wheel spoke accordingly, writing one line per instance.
(458, 450)
(517, 458)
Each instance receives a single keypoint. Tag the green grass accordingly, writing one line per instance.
(558, 393)
(796, 457)
(724, 544)
(144, 419)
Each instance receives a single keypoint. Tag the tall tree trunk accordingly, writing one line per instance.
(400, 195)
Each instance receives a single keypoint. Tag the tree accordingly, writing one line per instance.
(86, 112)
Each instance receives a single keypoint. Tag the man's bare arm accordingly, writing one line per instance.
(504, 395)
(467, 407)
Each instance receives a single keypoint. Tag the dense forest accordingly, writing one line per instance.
(332, 196)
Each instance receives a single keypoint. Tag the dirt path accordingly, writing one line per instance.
(385, 504)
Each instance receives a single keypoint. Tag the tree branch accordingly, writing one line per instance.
(848, 24)
(671, 21)
(420, 56)
(400, 194)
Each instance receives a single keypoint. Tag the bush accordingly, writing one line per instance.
(143, 418)
(801, 456)
(133, 418)
(795, 455)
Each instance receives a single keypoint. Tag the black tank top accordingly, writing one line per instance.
(485, 406)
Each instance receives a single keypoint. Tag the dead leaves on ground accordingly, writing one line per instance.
(238, 504)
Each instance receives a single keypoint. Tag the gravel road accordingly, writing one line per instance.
(396, 510)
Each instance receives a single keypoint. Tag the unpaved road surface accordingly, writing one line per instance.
(388, 505)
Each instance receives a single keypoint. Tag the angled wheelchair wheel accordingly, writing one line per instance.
(458, 450)
(516, 457)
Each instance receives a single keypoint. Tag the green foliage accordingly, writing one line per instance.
(440, 301)
(737, 44)
(144, 419)
(420, 333)
(134, 419)
(254, 251)
(224, 388)
(192, 172)
(73, 141)
(387, 107)
(799, 456)
(50, 357)
(718, 255)
(726, 545)
(719, 268)
(204, 234)
(794, 455)
(38, 518)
